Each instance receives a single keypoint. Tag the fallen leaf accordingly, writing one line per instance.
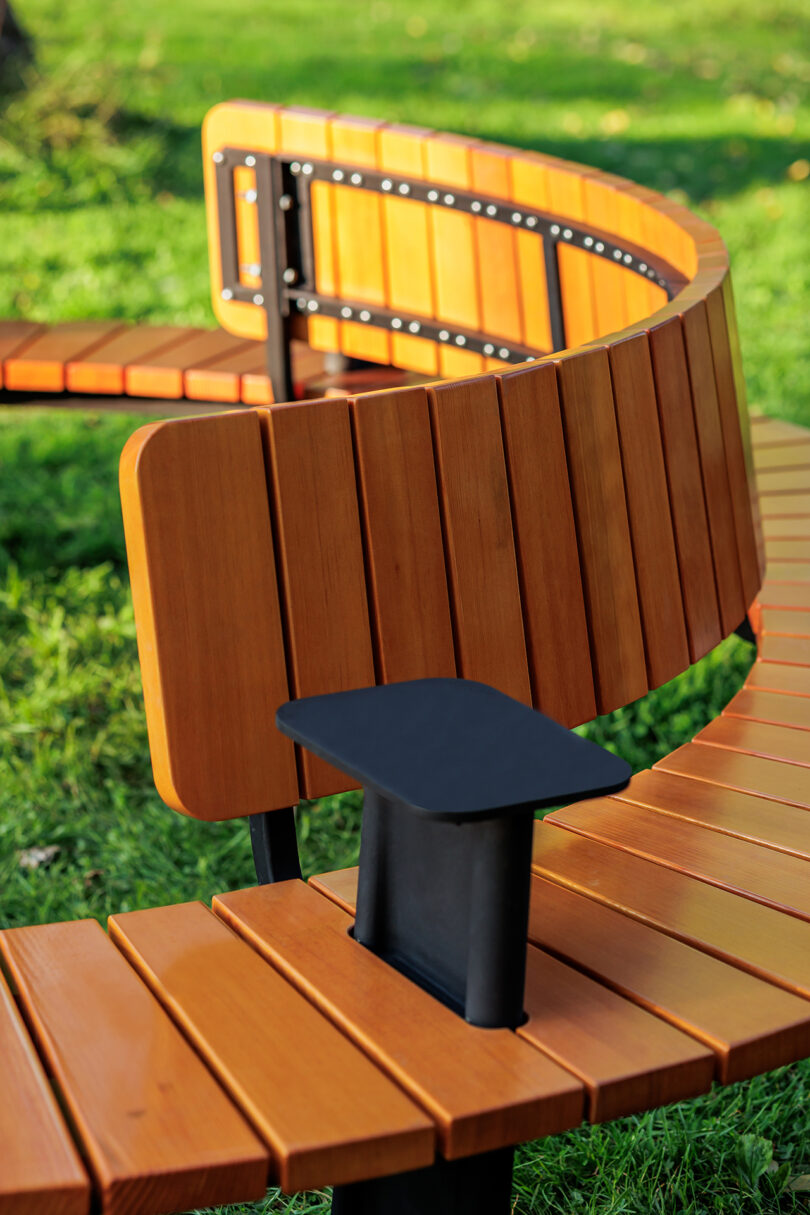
(34, 858)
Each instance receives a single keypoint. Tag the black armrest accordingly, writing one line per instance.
(453, 771)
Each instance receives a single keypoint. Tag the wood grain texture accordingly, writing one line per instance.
(40, 365)
(757, 738)
(403, 533)
(484, 1088)
(102, 370)
(200, 549)
(771, 707)
(40, 1169)
(685, 483)
(159, 1133)
(546, 545)
(327, 1113)
(309, 449)
(737, 770)
(14, 337)
(221, 379)
(758, 939)
(496, 249)
(479, 542)
(162, 374)
(659, 589)
(603, 531)
(528, 187)
(611, 283)
(729, 811)
(566, 200)
(779, 677)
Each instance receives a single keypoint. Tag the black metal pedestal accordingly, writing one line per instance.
(479, 1185)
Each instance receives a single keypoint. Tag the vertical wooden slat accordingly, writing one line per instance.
(399, 496)
(529, 188)
(479, 543)
(306, 132)
(566, 198)
(321, 559)
(610, 282)
(447, 163)
(359, 238)
(247, 226)
(406, 246)
(659, 588)
(496, 250)
(546, 542)
(600, 510)
(200, 549)
(713, 464)
(685, 482)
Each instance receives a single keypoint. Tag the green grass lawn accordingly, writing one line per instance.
(101, 214)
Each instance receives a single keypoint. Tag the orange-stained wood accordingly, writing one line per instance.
(758, 939)
(400, 504)
(780, 458)
(779, 595)
(659, 588)
(771, 707)
(784, 480)
(736, 770)
(102, 370)
(528, 186)
(159, 1133)
(786, 529)
(162, 374)
(757, 738)
(479, 542)
(781, 505)
(40, 365)
(329, 1116)
(309, 449)
(248, 253)
(611, 283)
(406, 246)
(40, 1170)
(729, 811)
(600, 510)
(15, 336)
(685, 484)
(789, 550)
(221, 379)
(773, 432)
(546, 546)
(794, 650)
(496, 248)
(769, 877)
(201, 562)
(566, 199)
(484, 1088)
(779, 677)
(360, 238)
(784, 623)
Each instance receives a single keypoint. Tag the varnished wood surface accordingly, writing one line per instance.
(779, 677)
(484, 1088)
(103, 369)
(40, 1169)
(771, 707)
(791, 649)
(159, 1133)
(782, 622)
(736, 770)
(327, 1113)
(40, 365)
(757, 738)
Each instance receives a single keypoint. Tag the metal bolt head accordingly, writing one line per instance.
(285, 202)
(531, 221)
(258, 298)
(503, 353)
(567, 234)
(404, 188)
(600, 248)
(226, 293)
(449, 200)
(218, 158)
(555, 229)
(492, 209)
(489, 348)
(386, 184)
(475, 206)
(307, 169)
(444, 336)
(460, 339)
(396, 323)
(290, 275)
(433, 195)
(301, 304)
(588, 242)
(295, 167)
(312, 306)
(356, 179)
(337, 175)
(250, 161)
(250, 196)
(346, 313)
(516, 217)
(365, 315)
(414, 326)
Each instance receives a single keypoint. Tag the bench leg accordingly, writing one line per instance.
(478, 1185)
(275, 847)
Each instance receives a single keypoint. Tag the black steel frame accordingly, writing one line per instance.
(287, 266)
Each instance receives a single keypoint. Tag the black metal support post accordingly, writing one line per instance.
(555, 310)
(479, 1185)
(275, 847)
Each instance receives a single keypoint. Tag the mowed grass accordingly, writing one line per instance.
(101, 214)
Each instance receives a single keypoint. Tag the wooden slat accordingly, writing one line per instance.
(788, 571)
(221, 379)
(546, 545)
(479, 543)
(770, 707)
(772, 878)
(159, 1133)
(455, 266)
(102, 370)
(735, 770)
(742, 407)
(784, 623)
(785, 480)
(600, 510)
(327, 1113)
(40, 366)
(496, 249)
(782, 506)
(402, 524)
(627, 1060)
(406, 246)
(780, 528)
(789, 550)
(779, 677)
(200, 550)
(794, 650)
(40, 1170)
(729, 811)
(161, 374)
(529, 188)
(321, 555)
(14, 337)
(248, 250)
(359, 237)
(659, 588)
(782, 457)
(685, 487)
(780, 595)
(773, 432)
(756, 738)
(566, 199)
(484, 1088)
(758, 939)
(610, 282)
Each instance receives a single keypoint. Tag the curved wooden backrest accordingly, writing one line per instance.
(574, 530)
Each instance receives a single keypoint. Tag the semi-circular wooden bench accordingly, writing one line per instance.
(571, 528)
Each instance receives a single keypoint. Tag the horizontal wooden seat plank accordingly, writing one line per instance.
(785, 480)
(782, 622)
(328, 1114)
(484, 1088)
(789, 550)
(771, 707)
(790, 649)
(736, 770)
(221, 379)
(783, 527)
(770, 432)
(757, 738)
(782, 595)
(730, 811)
(785, 506)
(162, 374)
(788, 571)
(784, 457)
(779, 677)
(773, 878)
(627, 1060)
(40, 1169)
(14, 337)
(102, 369)
(158, 1131)
(40, 366)
(759, 939)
